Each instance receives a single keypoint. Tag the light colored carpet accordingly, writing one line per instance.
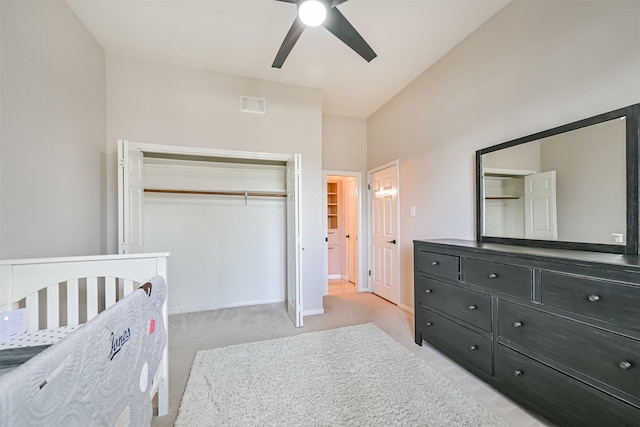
(311, 379)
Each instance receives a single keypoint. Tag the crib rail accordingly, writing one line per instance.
(73, 301)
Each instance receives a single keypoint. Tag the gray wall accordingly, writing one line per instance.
(52, 138)
(533, 66)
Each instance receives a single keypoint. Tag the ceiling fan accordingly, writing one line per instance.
(325, 13)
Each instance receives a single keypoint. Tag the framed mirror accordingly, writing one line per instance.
(570, 187)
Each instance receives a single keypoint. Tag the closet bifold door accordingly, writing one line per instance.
(294, 248)
(130, 198)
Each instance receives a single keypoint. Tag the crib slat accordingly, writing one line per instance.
(33, 310)
(92, 297)
(73, 308)
(128, 286)
(109, 291)
(53, 306)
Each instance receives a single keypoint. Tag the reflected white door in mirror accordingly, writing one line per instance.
(520, 203)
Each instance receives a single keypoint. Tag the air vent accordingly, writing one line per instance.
(249, 104)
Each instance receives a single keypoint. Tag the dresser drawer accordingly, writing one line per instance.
(557, 397)
(434, 264)
(457, 341)
(471, 307)
(602, 355)
(611, 302)
(508, 279)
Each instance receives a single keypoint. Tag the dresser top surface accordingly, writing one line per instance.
(625, 261)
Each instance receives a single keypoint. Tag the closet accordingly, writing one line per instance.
(230, 220)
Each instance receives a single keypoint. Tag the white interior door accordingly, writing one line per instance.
(130, 198)
(540, 206)
(294, 249)
(384, 221)
(351, 235)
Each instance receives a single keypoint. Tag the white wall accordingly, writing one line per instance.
(344, 143)
(52, 140)
(161, 103)
(533, 66)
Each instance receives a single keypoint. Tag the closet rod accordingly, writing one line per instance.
(218, 193)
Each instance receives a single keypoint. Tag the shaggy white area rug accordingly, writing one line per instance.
(351, 376)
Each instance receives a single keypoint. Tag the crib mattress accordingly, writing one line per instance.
(19, 349)
(37, 338)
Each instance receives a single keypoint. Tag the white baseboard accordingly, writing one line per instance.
(313, 312)
(406, 308)
(195, 308)
(334, 276)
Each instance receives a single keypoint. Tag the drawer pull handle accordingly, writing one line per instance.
(427, 291)
(492, 275)
(518, 373)
(624, 365)
(434, 262)
(593, 298)
(517, 324)
(473, 347)
(429, 323)
(473, 307)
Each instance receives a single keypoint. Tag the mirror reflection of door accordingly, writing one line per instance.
(520, 204)
(540, 206)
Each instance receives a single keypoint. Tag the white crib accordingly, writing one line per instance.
(62, 292)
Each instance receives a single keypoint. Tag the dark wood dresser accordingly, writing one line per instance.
(556, 331)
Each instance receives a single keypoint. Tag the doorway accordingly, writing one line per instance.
(342, 232)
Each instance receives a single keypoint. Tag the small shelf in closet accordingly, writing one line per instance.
(332, 205)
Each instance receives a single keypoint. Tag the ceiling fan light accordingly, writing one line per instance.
(312, 13)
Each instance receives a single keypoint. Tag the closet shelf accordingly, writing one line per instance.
(219, 193)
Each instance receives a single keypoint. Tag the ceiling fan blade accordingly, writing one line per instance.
(292, 1)
(289, 40)
(338, 25)
(334, 3)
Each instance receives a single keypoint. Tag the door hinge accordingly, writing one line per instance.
(369, 187)
(122, 163)
(369, 272)
(124, 247)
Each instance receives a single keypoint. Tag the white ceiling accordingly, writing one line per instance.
(242, 37)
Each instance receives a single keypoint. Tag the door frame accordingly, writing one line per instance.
(363, 285)
(370, 172)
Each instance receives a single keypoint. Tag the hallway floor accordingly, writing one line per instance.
(341, 287)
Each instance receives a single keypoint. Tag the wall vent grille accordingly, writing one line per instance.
(249, 104)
